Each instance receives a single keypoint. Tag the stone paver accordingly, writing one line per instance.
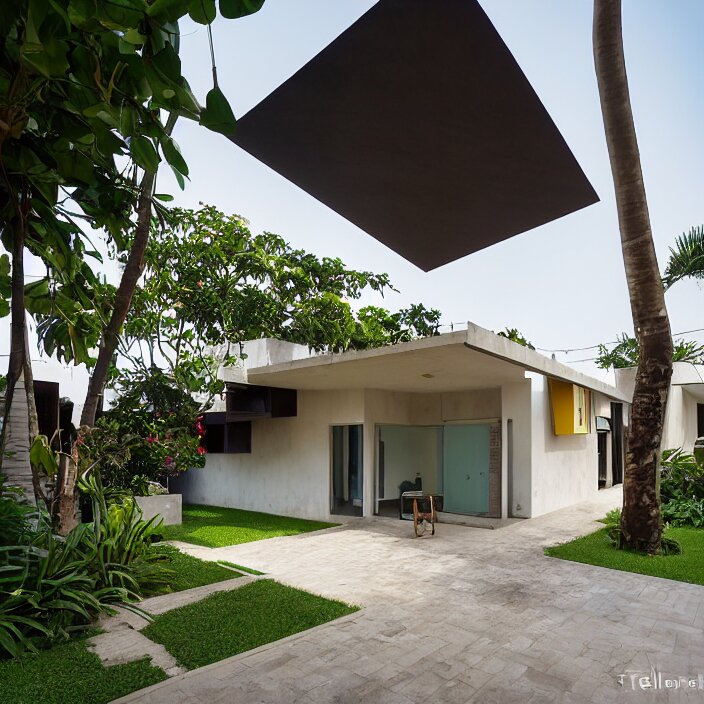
(125, 644)
(121, 640)
(469, 615)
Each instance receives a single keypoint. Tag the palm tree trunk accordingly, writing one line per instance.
(32, 417)
(641, 523)
(17, 331)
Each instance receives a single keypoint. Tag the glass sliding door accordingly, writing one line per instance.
(347, 470)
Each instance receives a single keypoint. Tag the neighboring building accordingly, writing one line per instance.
(500, 430)
(684, 418)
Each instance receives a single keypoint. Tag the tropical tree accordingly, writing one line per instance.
(686, 257)
(626, 353)
(86, 87)
(641, 523)
(209, 284)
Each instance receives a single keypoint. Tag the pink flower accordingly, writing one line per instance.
(168, 461)
(202, 450)
(199, 284)
(151, 438)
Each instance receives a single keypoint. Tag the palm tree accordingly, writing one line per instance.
(686, 258)
(641, 523)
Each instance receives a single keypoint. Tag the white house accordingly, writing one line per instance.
(496, 428)
(684, 417)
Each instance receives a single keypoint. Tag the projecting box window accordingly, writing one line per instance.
(571, 408)
(223, 437)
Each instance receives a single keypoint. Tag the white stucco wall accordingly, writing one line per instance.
(482, 404)
(680, 420)
(564, 467)
(516, 407)
(288, 470)
(680, 428)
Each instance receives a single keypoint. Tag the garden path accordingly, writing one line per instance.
(469, 615)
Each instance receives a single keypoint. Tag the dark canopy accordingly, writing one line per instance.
(418, 125)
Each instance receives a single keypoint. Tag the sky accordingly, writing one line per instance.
(562, 285)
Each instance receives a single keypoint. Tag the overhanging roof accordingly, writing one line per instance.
(418, 125)
(459, 361)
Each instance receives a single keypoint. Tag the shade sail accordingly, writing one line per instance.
(417, 125)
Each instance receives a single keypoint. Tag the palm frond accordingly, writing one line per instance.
(686, 257)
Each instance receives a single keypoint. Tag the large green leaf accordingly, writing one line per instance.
(121, 14)
(82, 13)
(169, 10)
(173, 155)
(74, 166)
(143, 152)
(42, 456)
(234, 9)
(48, 58)
(202, 11)
(217, 115)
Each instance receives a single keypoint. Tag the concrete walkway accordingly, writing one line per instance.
(469, 615)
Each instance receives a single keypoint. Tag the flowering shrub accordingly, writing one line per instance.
(163, 426)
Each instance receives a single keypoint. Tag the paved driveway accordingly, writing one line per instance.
(469, 615)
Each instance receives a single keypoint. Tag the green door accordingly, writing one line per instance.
(466, 468)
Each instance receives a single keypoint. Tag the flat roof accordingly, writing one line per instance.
(469, 359)
(418, 125)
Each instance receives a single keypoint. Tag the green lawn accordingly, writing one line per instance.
(595, 549)
(69, 674)
(216, 527)
(192, 572)
(232, 622)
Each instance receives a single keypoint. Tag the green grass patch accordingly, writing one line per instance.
(596, 549)
(68, 674)
(241, 568)
(215, 527)
(192, 572)
(233, 622)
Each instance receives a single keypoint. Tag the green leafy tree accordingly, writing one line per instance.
(84, 84)
(686, 258)
(210, 284)
(626, 353)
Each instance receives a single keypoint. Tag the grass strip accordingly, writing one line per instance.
(192, 572)
(596, 549)
(216, 527)
(68, 674)
(241, 568)
(233, 622)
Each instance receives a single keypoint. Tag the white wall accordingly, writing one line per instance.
(288, 470)
(564, 467)
(681, 415)
(516, 406)
(680, 420)
(481, 404)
